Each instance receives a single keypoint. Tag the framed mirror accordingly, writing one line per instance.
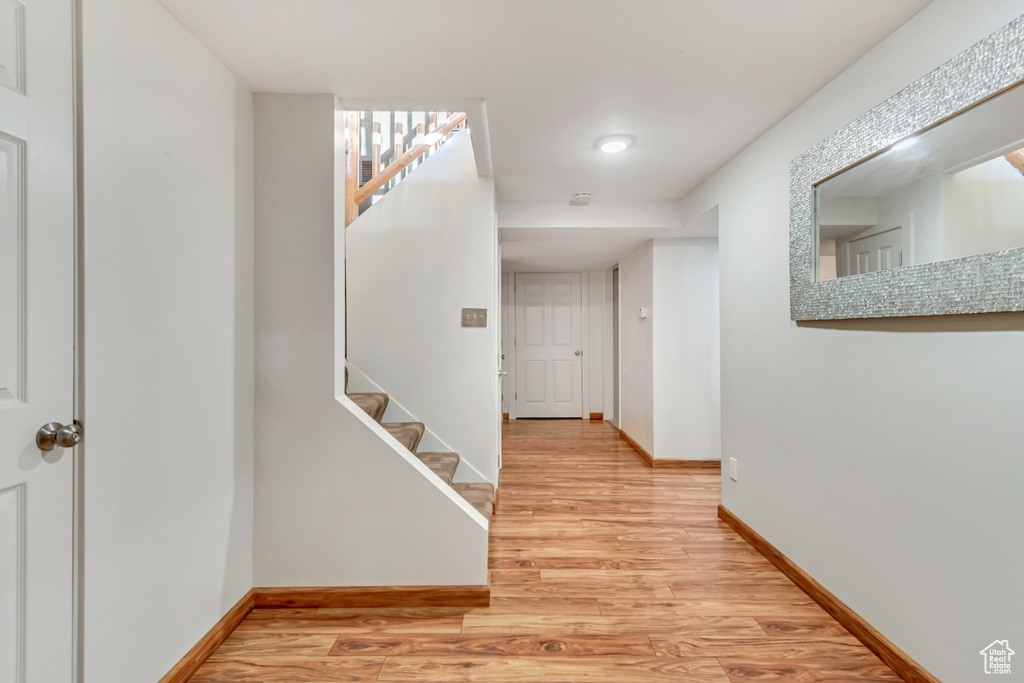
(917, 207)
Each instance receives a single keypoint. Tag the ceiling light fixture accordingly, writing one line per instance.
(612, 144)
(905, 143)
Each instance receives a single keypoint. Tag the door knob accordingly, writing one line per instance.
(579, 353)
(502, 373)
(54, 434)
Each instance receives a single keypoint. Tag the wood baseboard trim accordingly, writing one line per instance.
(899, 661)
(597, 416)
(670, 464)
(358, 596)
(504, 416)
(648, 458)
(202, 650)
(687, 465)
(373, 596)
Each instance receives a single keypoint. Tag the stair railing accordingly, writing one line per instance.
(356, 192)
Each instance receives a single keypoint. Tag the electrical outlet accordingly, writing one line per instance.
(733, 469)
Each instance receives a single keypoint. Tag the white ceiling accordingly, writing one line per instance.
(694, 81)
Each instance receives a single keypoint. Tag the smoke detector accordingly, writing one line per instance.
(580, 199)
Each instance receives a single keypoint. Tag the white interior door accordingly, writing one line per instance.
(549, 345)
(37, 270)
(870, 254)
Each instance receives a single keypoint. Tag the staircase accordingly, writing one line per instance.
(479, 495)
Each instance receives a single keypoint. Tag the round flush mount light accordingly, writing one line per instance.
(904, 144)
(613, 144)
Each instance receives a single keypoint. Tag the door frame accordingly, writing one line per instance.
(78, 400)
(584, 339)
(611, 359)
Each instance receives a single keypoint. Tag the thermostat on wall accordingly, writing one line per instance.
(643, 313)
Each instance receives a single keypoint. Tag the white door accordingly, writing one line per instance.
(870, 254)
(37, 271)
(548, 344)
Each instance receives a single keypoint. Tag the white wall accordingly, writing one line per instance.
(847, 211)
(636, 346)
(669, 362)
(916, 208)
(687, 407)
(614, 214)
(883, 457)
(982, 209)
(335, 503)
(168, 359)
(415, 259)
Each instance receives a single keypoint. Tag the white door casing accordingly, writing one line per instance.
(496, 317)
(548, 345)
(37, 232)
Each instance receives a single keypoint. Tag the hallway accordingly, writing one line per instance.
(602, 569)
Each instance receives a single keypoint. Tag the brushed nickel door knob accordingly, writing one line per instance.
(54, 434)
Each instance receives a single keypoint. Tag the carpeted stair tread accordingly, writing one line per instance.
(373, 405)
(441, 464)
(407, 433)
(479, 495)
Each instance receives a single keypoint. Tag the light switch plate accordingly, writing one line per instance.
(474, 317)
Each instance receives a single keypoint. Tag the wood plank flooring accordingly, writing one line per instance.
(602, 570)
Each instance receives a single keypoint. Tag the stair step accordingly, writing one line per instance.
(407, 433)
(441, 464)
(479, 495)
(373, 405)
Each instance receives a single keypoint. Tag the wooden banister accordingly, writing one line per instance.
(1017, 159)
(351, 166)
(400, 163)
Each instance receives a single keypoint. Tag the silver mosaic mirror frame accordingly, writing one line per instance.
(974, 284)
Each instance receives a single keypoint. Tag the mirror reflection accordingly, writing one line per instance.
(954, 190)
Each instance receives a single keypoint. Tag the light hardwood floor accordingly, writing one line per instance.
(602, 570)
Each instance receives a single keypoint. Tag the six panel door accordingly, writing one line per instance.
(37, 271)
(548, 343)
